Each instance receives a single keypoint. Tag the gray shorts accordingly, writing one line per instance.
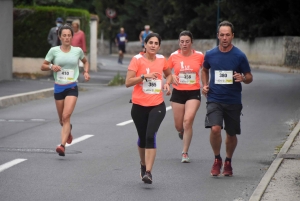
(229, 113)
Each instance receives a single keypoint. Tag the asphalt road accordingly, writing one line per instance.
(104, 163)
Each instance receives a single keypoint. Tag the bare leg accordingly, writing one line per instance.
(142, 155)
(191, 108)
(178, 113)
(68, 108)
(231, 143)
(216, 139)
(149, 158)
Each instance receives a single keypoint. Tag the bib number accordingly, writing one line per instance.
(152, 86)
(223, 77)
(65, 75)
(122, 39)
(187, 78)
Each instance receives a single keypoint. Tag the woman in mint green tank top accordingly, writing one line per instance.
(63, 61)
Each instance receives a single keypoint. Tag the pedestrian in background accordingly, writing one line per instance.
(53, 38)
(145, 73)
(143, 35)
(186, 98)
(121, 40)
(78, 39)
(63, 61)
(227, 67)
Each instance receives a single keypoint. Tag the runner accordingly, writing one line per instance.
(148, 109)
(186, 98)
(228, 67)
(63, 61)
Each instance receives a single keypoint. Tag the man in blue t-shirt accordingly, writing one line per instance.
(121, 40)
(144, 34)
(228, 67)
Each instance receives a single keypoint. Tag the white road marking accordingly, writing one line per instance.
(11, 163)
(125, 122)
(76, 140)
(130, 121)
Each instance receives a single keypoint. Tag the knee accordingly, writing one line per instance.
(65, 117)
(151, 142)
(215, 130)
(187, 123)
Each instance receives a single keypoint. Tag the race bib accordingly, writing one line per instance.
(122, 38)
(187, 78)
(65, 75)
(152, 86)
(223, 77)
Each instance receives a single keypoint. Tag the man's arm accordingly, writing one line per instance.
(141, 39)
(248, 78)
(205, 80)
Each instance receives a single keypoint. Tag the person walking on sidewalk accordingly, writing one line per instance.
(228, 67)
(63, 61)
(144, 34)
(186, 97)
(121, 40)
(148, 109)
(52, 38)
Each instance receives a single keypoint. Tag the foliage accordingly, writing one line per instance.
(32, 25)
(117, 80)
(251, 19)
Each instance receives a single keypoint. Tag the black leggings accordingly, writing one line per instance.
(147, 121)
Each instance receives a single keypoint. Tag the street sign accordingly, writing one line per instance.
(110, 13)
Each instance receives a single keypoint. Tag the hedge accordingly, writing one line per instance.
(33, 23)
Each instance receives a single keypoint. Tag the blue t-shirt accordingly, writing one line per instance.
(234, 60)
(121, 37)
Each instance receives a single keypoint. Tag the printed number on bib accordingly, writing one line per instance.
(187, 78)
(65, 75)
(223, 77)
(152, 86)
(122, 38)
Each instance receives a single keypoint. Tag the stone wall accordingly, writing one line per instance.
(265, 51)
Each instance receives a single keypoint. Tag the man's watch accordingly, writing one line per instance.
(142, 76)
(244, 79)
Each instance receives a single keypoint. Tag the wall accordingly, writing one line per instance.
(279, 52)
(6, 39)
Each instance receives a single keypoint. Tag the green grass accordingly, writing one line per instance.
(117, 80)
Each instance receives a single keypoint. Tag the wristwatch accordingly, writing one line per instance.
(142, 76)
(50, 66)
(244, 79)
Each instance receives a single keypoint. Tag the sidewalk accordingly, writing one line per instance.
(281, 182)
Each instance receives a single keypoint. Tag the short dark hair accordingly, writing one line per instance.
(153, 35)
(66, 26)
(226, 23)
(186, 33)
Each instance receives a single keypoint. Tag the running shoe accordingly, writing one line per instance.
(227, 170)
(147, 178)
(185, 158)
(143, 170)
(70, 137)
(60, 150)
(216, 168)
(180, 134)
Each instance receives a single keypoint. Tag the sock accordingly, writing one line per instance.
(218, 157)
(228, 159)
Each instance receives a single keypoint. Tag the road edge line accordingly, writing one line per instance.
(263, 184)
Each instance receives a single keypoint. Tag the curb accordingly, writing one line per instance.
(6, 101)
(262, 186)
